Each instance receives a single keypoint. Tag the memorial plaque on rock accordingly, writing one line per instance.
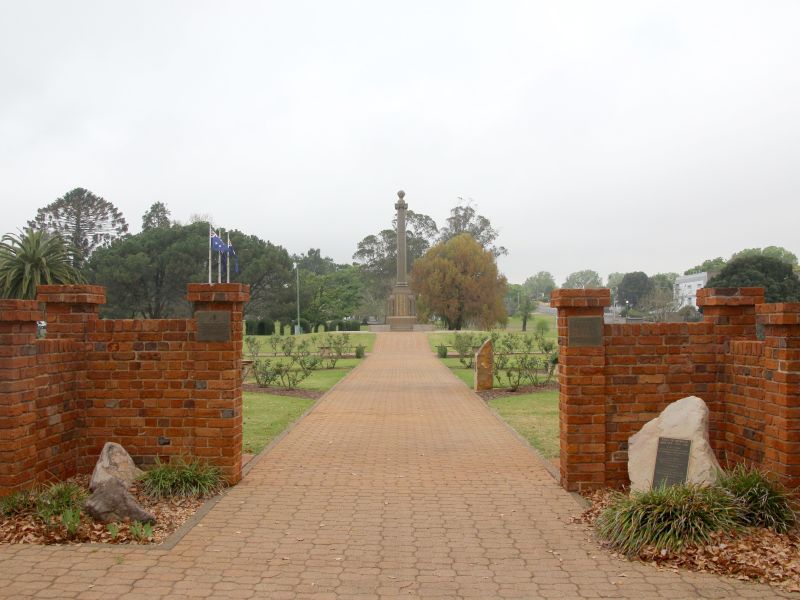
(672, 462)
(213, 325)
(584, 331)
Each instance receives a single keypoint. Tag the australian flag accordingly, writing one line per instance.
(230, 252)
(225, 250)
(216, 243)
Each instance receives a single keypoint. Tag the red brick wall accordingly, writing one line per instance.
(146, 384)
(751, 387)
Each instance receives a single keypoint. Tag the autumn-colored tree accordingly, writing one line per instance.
(458, 281)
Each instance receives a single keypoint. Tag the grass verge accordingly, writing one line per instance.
(535, 417)
(266, 416)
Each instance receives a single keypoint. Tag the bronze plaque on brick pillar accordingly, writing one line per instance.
(585, 331)
(213, 325)
(672, 462)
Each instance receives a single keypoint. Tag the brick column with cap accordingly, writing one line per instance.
(18, 393)
(781, 384)
(581, 378)
(218, 373)
(69, 308)
(732, 313)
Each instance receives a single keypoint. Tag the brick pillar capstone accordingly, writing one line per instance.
(581, 378)
(732, 312)
(781, 324)
(218, 377)
(69, 308)
(18, 372)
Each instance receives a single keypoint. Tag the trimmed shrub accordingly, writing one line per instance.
(441, 351)
(764, 501)
(250, 327)
(193, 478)
(265, 327)
(360, 349)
(351, 325)
(667, 518)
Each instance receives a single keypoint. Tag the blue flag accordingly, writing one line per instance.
(217, 244)
(230, 251)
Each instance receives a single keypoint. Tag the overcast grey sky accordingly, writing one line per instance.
(614, 136)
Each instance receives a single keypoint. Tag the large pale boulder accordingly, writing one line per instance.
(685, 419)
(114, 463)
(111, 501)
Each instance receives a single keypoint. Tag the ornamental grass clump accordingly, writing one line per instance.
(764, 501)
(181, 479)
(667, 518)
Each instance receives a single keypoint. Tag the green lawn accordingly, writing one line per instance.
(324, 379)
(465, 375)
(535, 417)
(266, 416)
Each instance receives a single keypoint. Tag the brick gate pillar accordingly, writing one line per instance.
(18, 372)
(781, 389)
(69, 308)
(216, 350)
(581, 378)
(732, 313)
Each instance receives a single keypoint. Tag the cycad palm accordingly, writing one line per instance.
(31, 259)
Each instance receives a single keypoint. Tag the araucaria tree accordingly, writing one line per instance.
(32, 259)
(82, 219)
(458, 281)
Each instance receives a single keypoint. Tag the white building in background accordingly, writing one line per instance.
(686, 287)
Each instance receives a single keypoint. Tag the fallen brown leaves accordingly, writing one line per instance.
(170, 514)
(751, 555)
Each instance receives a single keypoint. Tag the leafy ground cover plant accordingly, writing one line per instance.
(57, 499)
(193, 478)
(667, 518)
(19, 502)
(763, 500)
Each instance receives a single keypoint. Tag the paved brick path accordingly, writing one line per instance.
(400, 484)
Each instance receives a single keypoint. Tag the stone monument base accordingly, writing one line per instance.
(401, 323)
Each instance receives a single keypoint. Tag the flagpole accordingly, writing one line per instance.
(219, 268)
(228, 262)
(209, 253)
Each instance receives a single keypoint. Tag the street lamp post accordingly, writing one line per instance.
(297, 324)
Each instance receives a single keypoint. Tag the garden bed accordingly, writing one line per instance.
(170, 514)
(753, 554)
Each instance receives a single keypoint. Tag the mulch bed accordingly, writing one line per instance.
(282, 391)
(523, 389)
(754, 554)
(170, 514)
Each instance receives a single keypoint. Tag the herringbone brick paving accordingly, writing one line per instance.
(399, 484)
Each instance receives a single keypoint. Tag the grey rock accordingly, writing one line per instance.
(111, 501)
(685, 419)
(114, 463)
